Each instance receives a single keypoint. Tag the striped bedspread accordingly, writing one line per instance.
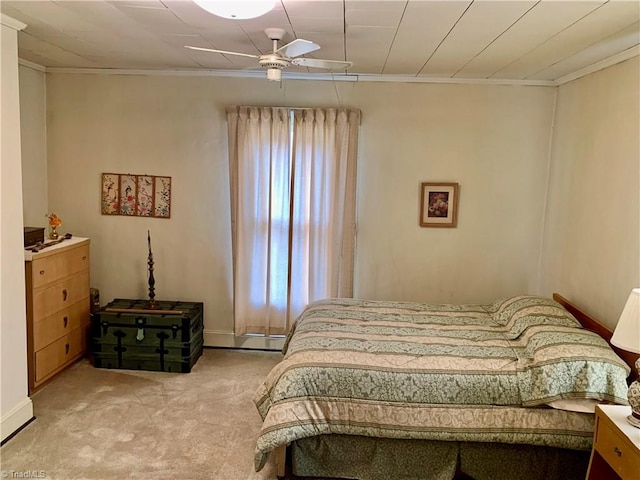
(438, 372)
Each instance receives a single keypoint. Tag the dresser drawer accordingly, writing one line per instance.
(55, 355)
(616, 450)
(61, 295)
(52, 268)
(53, 327)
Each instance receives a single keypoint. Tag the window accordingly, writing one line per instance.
(293, 211)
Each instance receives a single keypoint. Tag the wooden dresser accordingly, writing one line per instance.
(57, 287)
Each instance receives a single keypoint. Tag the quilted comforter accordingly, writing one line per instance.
(438, 372)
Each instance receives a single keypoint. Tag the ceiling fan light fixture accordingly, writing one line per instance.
(236, 9)
(274, 74)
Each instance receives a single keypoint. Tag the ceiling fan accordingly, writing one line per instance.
(285, 56)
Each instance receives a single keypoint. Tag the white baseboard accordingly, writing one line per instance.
(217, 338)
(16, 418)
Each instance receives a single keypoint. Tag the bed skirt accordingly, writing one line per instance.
(366, 458)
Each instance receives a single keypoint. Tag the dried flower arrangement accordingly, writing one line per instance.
(54, 222)
(54, 219)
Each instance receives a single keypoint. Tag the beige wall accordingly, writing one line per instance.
(592, 234)
(493, 140)
(34, 146)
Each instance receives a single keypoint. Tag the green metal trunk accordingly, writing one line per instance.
(167, 337)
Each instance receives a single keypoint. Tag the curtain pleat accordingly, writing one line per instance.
(293, 212)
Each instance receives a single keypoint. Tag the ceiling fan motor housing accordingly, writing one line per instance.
(274, 65)
(274, 61)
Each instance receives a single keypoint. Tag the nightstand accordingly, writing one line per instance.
(616, 445)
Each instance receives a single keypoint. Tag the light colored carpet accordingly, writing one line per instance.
(99, 424)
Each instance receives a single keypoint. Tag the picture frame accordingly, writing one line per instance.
(439, 204)
(136, 195)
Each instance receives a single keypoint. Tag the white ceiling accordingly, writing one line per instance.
(514, 40)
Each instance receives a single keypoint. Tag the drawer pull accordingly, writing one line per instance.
(41, 272)
(65, 321)
(64, 295)
(84, 257)
(66, 348)
(617, 451)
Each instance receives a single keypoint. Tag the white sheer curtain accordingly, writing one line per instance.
(293, 211)
(323, 220)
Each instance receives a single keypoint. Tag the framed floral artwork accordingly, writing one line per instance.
(128, 194)
(136, 195)
(162, 197)
(438, 204)
(110, 194)
(144, 197)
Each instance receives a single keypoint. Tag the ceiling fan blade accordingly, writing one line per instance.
(222, 51)
(298, 47)
(315, 63)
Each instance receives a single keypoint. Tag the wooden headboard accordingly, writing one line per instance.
(594, 325)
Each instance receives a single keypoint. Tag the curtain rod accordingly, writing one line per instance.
(304, 108)
(292, 108)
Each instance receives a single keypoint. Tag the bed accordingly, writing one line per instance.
(376, 390)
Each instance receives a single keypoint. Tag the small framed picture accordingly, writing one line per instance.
(438, 204)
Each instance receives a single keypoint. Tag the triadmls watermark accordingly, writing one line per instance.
(23, 474)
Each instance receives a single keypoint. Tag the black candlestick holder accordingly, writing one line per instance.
(151, 304)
